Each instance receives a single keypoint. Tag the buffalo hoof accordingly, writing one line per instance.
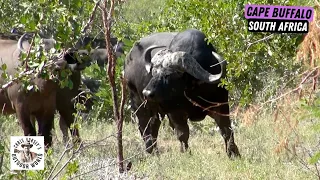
(233, 151)
(129, 165)
(149, 146)
(156, 151)
(184, 147)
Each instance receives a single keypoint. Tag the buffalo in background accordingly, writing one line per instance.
(66, 98)
(99, 52)
(49, 97)
(178, 74)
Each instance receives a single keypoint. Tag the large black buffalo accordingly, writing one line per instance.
(178, 74)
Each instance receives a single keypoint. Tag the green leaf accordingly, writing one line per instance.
(63, 74)
(4, 75)
(4, 66)
(315, 158)
(2, 148)
(70, 84)
(41, 65)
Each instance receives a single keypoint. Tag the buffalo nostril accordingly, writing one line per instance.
(147, 93)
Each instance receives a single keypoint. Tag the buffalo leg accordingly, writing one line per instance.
(149, 128)
(221, 116)
(180, 123)
(67, 117)
(24, 120)
(64, 129)
(145, 131)
(33, 121)
(155, 125)
(45, 125)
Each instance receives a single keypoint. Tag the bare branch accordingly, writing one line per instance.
(59, 160)
(142, 104)
(205, 108)
(255, 42)
(32, 71)
(68, 161)
(1, 161)
(28, 52)
(90, 21)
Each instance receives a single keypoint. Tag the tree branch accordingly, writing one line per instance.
(255, 42)
(89, 23)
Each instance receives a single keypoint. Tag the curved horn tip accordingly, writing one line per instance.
(191, 66)
(20, 41)
(214, 78)
(216, 55)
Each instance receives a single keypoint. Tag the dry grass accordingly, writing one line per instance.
(309, 51)
(267, 142)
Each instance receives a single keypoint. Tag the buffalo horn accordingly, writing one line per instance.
(222, 63)
(147, 52)
(20, 41)
(187, 63)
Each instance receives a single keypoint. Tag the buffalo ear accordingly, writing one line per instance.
(148, 67)
(70, 58)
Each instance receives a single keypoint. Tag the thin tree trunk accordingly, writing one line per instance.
(118, 114)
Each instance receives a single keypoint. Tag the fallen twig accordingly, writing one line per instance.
(91, 171)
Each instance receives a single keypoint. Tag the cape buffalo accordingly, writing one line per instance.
(178, 75)
(42, 103)
(99, 52)
(92, 86)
